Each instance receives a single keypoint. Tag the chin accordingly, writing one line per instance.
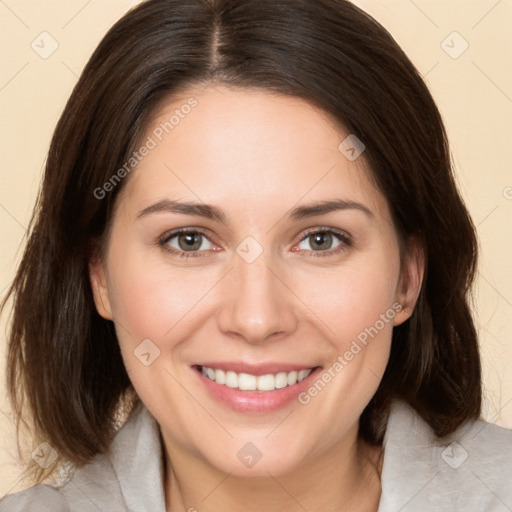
(245, 458)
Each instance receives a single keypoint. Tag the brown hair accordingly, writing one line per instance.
(64, 364)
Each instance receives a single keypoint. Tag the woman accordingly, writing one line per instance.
(249, 248)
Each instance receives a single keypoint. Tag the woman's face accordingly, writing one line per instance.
(290, 264)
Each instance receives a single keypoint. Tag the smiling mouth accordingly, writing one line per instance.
(249, 382)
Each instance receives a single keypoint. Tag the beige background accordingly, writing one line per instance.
(473, 91)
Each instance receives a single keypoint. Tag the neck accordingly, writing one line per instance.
(345, 478)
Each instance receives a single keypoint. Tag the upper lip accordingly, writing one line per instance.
(256, 368)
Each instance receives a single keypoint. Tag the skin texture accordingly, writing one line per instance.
(255, 155)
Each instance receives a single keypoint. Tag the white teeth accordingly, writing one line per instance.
(303, 374)
(231, 380)
(281, 380)
(266, 383)
(247, 382)
(220, 377)
(292, 378)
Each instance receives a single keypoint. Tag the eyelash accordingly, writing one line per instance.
(342, 236)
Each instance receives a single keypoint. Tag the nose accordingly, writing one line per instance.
(258, 304)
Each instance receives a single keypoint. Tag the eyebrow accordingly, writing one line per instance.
(323, 207)
(213, 213)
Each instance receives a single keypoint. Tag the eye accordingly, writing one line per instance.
(187, 241)
(324, 241)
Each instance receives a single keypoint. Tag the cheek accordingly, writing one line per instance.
(350, 299)
(150, 298)
(154, 306)
(355, 303)
(158, 308)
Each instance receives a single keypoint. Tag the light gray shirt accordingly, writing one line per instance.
(470, 471)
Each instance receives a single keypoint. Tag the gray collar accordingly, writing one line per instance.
(138, 462)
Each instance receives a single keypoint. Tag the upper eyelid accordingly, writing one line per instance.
(175, 232)
(338, 232)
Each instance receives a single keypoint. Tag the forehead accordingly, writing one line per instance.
(246, 147)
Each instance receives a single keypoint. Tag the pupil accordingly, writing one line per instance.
(190, 241)
(320, 240)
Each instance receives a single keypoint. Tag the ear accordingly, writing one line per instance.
(98, 278)
(411, 279)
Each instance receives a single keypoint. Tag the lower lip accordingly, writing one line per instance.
(258, 402)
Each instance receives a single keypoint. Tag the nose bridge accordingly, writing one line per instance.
(257, 303)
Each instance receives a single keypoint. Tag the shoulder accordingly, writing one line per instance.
(40, 498)
(90, 488)
(108, 482)
(469, 470)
